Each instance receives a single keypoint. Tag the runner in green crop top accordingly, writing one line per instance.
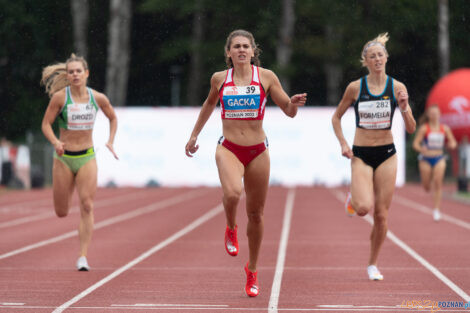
(78, 116)
(75, 106)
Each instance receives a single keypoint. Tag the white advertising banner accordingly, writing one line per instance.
(150, 144)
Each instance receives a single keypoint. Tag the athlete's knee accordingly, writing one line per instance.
(427, 186)
(438, 184)
(380, 219)
(255, 217)
(86, 206)
(232, 196)
(61, 212)
(362, 208)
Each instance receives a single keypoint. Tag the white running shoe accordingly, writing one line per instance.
(82, 264)
(374, 273)
(436, 215)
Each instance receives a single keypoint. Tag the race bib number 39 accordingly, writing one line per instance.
(241, 102)
(375, 114)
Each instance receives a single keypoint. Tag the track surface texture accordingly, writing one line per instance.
(161, 250)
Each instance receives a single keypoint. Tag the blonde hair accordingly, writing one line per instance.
(240, 32)
(54, 77)
(380, 40)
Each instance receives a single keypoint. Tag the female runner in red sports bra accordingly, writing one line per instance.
(241, 153)
(430, 141)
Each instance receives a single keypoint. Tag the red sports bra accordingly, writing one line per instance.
(242, 102)
(434, 140)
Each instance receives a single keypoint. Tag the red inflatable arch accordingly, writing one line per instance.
(452, 94)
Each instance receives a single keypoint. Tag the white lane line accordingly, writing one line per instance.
(27, 219)
(113, 220)
(50, 213)
(281, 256)
(319, 308)
(169, 305)
(224, 310)
(187, 229)
(390, 235)
(426, 210)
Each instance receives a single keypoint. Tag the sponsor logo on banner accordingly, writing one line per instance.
(461, 117)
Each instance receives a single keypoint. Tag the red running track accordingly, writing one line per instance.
(161, 250)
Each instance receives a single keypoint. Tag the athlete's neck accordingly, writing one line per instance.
(433, 124)
(377, 78)
(242, 72)
(78, 91)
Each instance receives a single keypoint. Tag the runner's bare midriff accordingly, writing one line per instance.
(76, 140)
(244, 132)
(373, 137)
(433, 153)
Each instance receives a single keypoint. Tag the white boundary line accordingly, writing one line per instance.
(113, 220)
(150, 305)
(190, 227)
(50, 213)
(340, 196)
(424, 209)
(27, 219)
(379, 309)
(281, 256)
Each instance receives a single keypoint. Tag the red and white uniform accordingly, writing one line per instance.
(242, 102)
(434, 140)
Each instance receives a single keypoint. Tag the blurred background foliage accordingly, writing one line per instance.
(183, 41)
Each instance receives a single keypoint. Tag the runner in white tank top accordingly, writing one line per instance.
(75, 107)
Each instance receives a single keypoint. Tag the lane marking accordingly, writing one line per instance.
(27, 219)
(227, 309)
(426, 210)
(50, 213)
(281, 256)
(390, 235)
(187, 229)
(168, 305)
(358, 306)
(110, 221)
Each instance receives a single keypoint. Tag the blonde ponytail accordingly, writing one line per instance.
(54, 77)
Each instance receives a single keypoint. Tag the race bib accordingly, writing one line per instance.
(436, 141)
(241, 102)
(375, 114)
(81, 116)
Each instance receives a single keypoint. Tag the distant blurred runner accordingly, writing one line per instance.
(430, 141)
